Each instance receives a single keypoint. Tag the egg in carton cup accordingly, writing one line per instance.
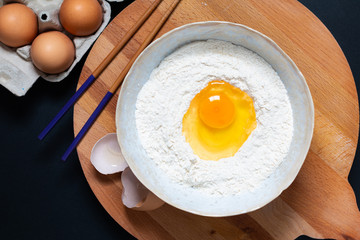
(17, 72)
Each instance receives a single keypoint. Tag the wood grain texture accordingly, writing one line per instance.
(320, 203)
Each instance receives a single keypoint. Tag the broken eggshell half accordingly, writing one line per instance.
(107, 158)
(106, 155)
(135, 195)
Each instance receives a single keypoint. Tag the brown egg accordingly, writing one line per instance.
(52, 52)
(81, 17)
(18, 25)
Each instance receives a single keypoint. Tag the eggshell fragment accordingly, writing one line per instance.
(107, 158)
(106, 155)
(135, 195)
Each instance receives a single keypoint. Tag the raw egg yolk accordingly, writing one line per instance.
(219, 120)
(217, 111)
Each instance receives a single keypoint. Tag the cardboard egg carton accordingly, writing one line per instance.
(17, 72)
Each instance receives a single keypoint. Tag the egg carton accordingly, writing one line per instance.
(17, 72)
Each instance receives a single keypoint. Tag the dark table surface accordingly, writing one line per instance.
(42, 197)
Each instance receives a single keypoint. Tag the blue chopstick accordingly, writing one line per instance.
(67, 106)
(88, 124)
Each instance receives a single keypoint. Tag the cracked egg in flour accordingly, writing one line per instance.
(219, 120)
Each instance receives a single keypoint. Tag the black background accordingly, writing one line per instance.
(42, 197)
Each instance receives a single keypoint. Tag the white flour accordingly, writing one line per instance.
(165, 98)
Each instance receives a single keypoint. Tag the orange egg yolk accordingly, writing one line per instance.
(219, 120)
(217, 111)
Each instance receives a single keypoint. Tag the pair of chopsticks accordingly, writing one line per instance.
(117, 82)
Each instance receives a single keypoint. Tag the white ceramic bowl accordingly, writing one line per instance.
(191, 200)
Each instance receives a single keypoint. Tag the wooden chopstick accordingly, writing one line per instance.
(118, 81)
(125, 39)
(99, 69)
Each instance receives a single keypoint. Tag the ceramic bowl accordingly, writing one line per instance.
(188, 199)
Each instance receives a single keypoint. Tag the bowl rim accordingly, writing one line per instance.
(287, 182)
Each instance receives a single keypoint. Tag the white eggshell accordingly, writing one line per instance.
(106, 155)
(137, 196)
(151, 202)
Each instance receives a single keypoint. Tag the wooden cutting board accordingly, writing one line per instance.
(320, 203)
